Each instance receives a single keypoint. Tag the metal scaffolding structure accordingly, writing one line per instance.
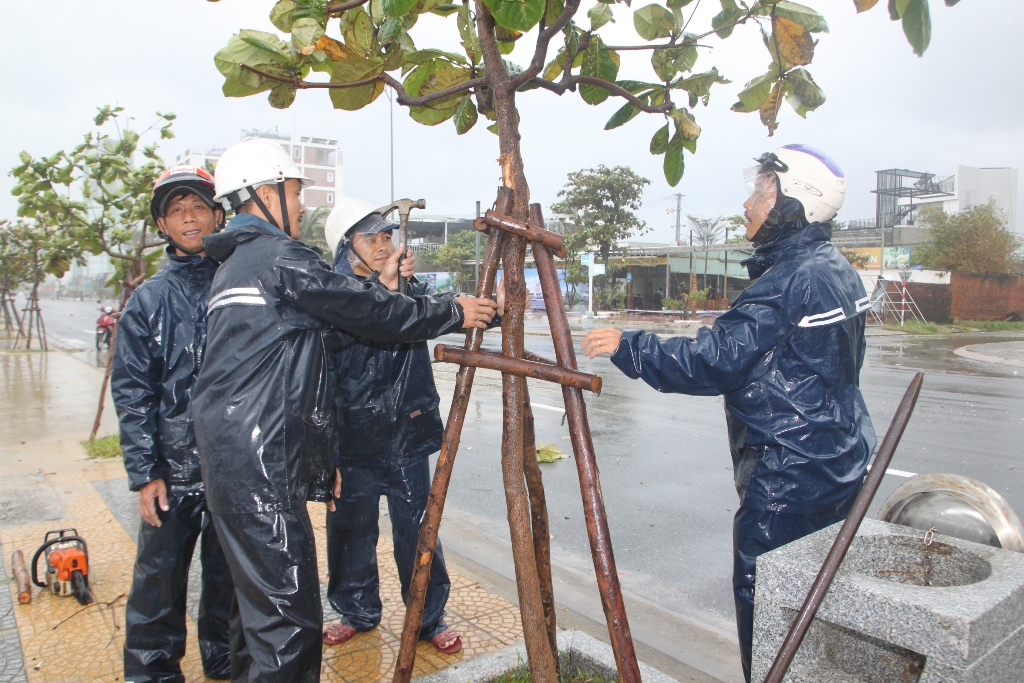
(897, 184)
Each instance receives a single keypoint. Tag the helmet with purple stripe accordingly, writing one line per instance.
(810, 176)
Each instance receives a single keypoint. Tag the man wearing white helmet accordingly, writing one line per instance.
(262, 406)
(787, 356)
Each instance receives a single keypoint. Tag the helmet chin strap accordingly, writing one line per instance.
(178, 247)
(286, 228)
(352, 248)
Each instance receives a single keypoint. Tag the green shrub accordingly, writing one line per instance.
(105, 447)
(992, 326)
(917, 327)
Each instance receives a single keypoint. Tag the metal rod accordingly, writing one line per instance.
(590, 481)
(846, 534)
(519, 367)
(529, 232)
(443, 471)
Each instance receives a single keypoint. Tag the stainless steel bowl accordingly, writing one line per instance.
(956, 506)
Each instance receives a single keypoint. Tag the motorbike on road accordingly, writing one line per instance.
(104, 326)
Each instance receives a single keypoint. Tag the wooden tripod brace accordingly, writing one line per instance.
(527, 509)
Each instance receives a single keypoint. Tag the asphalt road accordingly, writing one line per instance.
(667, 476)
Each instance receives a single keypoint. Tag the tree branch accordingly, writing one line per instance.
(654, 47)
(342, 6)
(402, 97)
(543, 41)
(569, 82)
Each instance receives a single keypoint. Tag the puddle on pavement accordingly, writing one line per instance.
(935, 354)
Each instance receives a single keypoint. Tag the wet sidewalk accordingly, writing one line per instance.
(47, 482)
(1010, 353)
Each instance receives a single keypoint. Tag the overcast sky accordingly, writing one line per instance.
(962, 103)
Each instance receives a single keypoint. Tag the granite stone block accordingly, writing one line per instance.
(898, 610)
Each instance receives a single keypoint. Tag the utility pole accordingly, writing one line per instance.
(679, 215)
(391, 98)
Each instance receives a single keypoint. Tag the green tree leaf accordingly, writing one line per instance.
(627, 113)
(864, 5)
(552, 10)
(389, 30)
(357, 28)
(429, 116)
(686, 125)
(465, 115)
(600, 14)
(282, 96)
(653, 22)
(467, 31)
(805, 94)
(233, 89)
(602, 63)
(275, 48)
(669, 61)
(755, 92)
(283, 14)
(674, 163)
(801, 14)
(659, 143)
(917, 25)
(724, 21)
(356, 69)
(305, 33)
(397, 8)
(518, 15)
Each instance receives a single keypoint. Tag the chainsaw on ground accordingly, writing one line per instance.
(67, 565)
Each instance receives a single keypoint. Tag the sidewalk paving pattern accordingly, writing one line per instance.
(1004, 353)
(56, 639)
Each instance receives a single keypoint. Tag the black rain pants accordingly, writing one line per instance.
(155, 612)
(755, 532)
(277, 619)
(353, 586)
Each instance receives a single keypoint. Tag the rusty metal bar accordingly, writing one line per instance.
(443, 471)
(590, 482)
(532, 233)
(519, 367)
(846, 534)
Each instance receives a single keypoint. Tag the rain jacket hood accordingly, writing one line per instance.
(157, 357)
(386, 401)
(264, 416)
(787, 356)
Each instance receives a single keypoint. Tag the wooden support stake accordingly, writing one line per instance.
(518, 366)
(21, 578)
(443, 471)
(590, 482)
(532, 233)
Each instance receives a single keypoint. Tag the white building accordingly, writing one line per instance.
(319, 159)
(974, 187)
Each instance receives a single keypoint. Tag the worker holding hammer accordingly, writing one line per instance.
(263, 409)
(389, 422)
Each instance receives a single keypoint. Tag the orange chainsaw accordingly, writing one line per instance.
(67, 565)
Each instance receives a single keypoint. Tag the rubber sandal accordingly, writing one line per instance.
(336, 634)
(445, 636)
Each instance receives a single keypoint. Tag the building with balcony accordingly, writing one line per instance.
(319, 158)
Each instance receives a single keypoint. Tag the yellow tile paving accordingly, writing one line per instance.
(64, 642)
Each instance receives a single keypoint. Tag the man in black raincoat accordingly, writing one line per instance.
(787, 355)
(389, 422)
(157, 356)
(264, 417)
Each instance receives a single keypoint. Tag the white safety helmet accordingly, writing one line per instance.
(809, 176)
(249, 164)
(345, 214)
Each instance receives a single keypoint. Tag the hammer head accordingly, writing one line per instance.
(403, 206)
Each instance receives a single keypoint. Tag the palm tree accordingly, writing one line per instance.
(311, 229)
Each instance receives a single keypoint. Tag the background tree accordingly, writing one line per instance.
(98, 193)
(47, 250)
(706, 231)
(735, 229)
(311, 230)
(459, 248)
(13, 272)
(975, 241)
(601, 202)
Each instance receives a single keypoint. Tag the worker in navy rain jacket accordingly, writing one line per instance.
(157, 357)
(389, 423)
(787, 356)
(263, 407)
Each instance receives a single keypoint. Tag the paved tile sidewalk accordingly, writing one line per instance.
(59, 640)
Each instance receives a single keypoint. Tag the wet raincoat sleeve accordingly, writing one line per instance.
(361, 308)
(135, 386)
(720, 359)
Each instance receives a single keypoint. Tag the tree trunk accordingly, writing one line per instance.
(542, 661)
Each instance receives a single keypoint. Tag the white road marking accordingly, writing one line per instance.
(92, 331)
(899, 473)
(541, 405)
